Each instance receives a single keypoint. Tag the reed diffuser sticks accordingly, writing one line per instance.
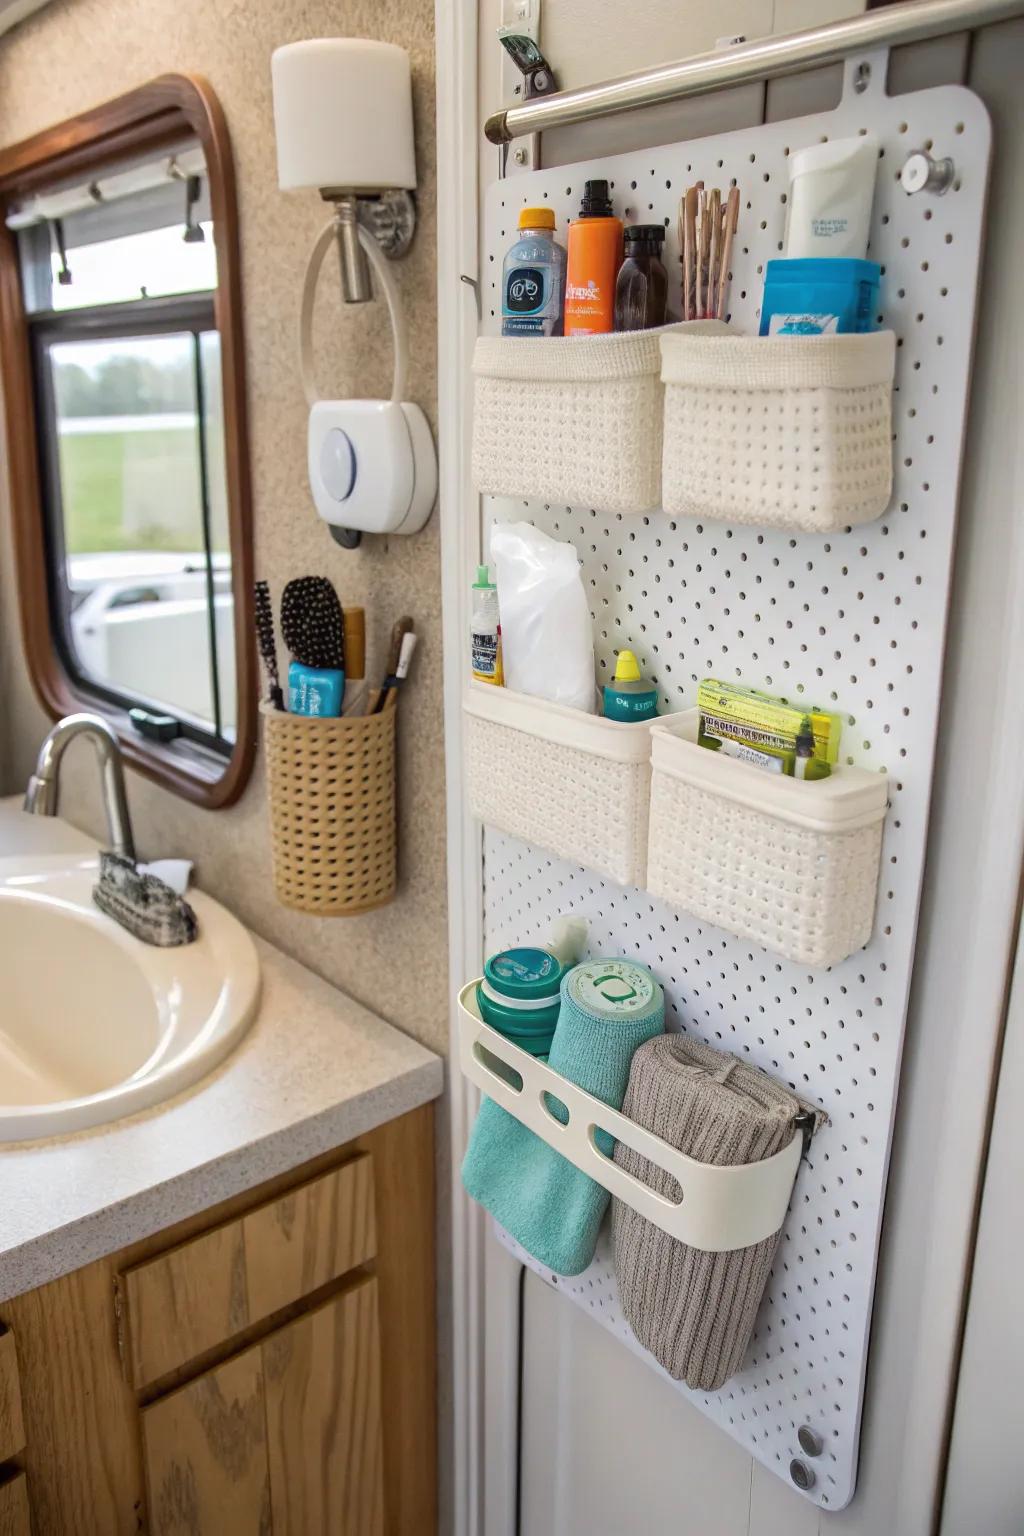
(707, 225)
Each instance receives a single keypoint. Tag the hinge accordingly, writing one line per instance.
(525, 75)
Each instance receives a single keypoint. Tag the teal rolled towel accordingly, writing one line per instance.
(609, 1008)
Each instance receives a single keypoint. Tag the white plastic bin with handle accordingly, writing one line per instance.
(787, 863)
(571, 782)
(571, 420)
(779, 431)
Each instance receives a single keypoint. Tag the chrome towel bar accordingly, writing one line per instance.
(765, 58)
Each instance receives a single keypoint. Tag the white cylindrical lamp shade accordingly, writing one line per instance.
(343, 115)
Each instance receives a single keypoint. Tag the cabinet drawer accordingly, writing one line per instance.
(12, 1430)
(192, 1298)
(14, 1515)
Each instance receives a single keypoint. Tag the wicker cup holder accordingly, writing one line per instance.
(331, 790)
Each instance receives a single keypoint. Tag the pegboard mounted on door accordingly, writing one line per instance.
(852, 621)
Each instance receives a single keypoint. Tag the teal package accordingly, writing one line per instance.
(315, 690)
(820, 296)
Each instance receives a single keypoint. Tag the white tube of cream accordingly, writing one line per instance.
(831, 187)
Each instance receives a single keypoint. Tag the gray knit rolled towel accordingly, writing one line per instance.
(694, 1311)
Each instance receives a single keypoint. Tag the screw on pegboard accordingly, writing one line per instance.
(810, 1441)
(801, 1474)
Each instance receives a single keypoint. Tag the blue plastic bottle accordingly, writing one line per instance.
(533, 278)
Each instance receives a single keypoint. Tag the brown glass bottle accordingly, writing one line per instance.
(641, 289)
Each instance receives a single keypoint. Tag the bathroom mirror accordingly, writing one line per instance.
(120, 329)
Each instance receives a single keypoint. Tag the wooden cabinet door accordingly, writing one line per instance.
(284, 1438)
(14, 1515)
(321, 1378)
(205, 1449)
(12, 1424)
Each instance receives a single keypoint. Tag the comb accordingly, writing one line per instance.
(264, 614)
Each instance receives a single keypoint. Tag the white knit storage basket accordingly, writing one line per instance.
(570, 419)
(781, 431)
(789, 864)
(567, 781)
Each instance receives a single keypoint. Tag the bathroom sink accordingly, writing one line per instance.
(94, 1024)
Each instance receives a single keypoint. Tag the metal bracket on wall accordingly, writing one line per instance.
(390, 218)
(525, 76)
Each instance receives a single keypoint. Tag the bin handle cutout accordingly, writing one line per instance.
(721, 1208)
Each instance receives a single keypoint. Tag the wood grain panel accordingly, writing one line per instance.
(14, 1515)
(199, 1295)
(184, 1302)
(12, 1427)
(403, 1162)
(205, 1450)
(81, 1421)
(315, 1234)
(323, 1402)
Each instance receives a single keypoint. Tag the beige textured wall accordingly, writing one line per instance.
(79, 52)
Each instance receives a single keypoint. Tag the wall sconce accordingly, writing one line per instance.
(343, 119)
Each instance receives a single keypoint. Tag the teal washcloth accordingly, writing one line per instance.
(608, 1009)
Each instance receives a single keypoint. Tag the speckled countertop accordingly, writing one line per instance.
(315, 1070)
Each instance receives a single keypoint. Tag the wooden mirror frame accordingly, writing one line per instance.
(153, 117)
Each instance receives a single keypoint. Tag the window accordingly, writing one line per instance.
(131, 511)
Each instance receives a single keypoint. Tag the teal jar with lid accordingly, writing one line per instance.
(520, 996)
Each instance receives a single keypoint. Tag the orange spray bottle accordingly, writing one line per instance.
(595, 256)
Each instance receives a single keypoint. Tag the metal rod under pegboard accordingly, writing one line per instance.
(853, 621)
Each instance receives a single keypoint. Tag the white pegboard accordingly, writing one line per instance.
(853, 621)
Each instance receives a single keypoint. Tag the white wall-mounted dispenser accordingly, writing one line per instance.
(343, 120)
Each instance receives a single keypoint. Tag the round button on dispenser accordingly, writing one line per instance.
(338, 464)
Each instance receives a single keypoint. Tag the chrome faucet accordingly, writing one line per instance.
(41, 794)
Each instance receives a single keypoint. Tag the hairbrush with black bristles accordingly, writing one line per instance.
(264, 614)
(312, 623)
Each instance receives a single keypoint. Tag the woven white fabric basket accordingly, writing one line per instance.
(780, 431)
(570, 419)
(573, 783)
(789, 864)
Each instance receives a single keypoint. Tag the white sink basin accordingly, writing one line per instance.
(94, 1024)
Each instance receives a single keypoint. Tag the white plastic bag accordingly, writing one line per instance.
(547, 639)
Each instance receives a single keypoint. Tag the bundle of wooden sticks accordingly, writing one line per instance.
(707, 226)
